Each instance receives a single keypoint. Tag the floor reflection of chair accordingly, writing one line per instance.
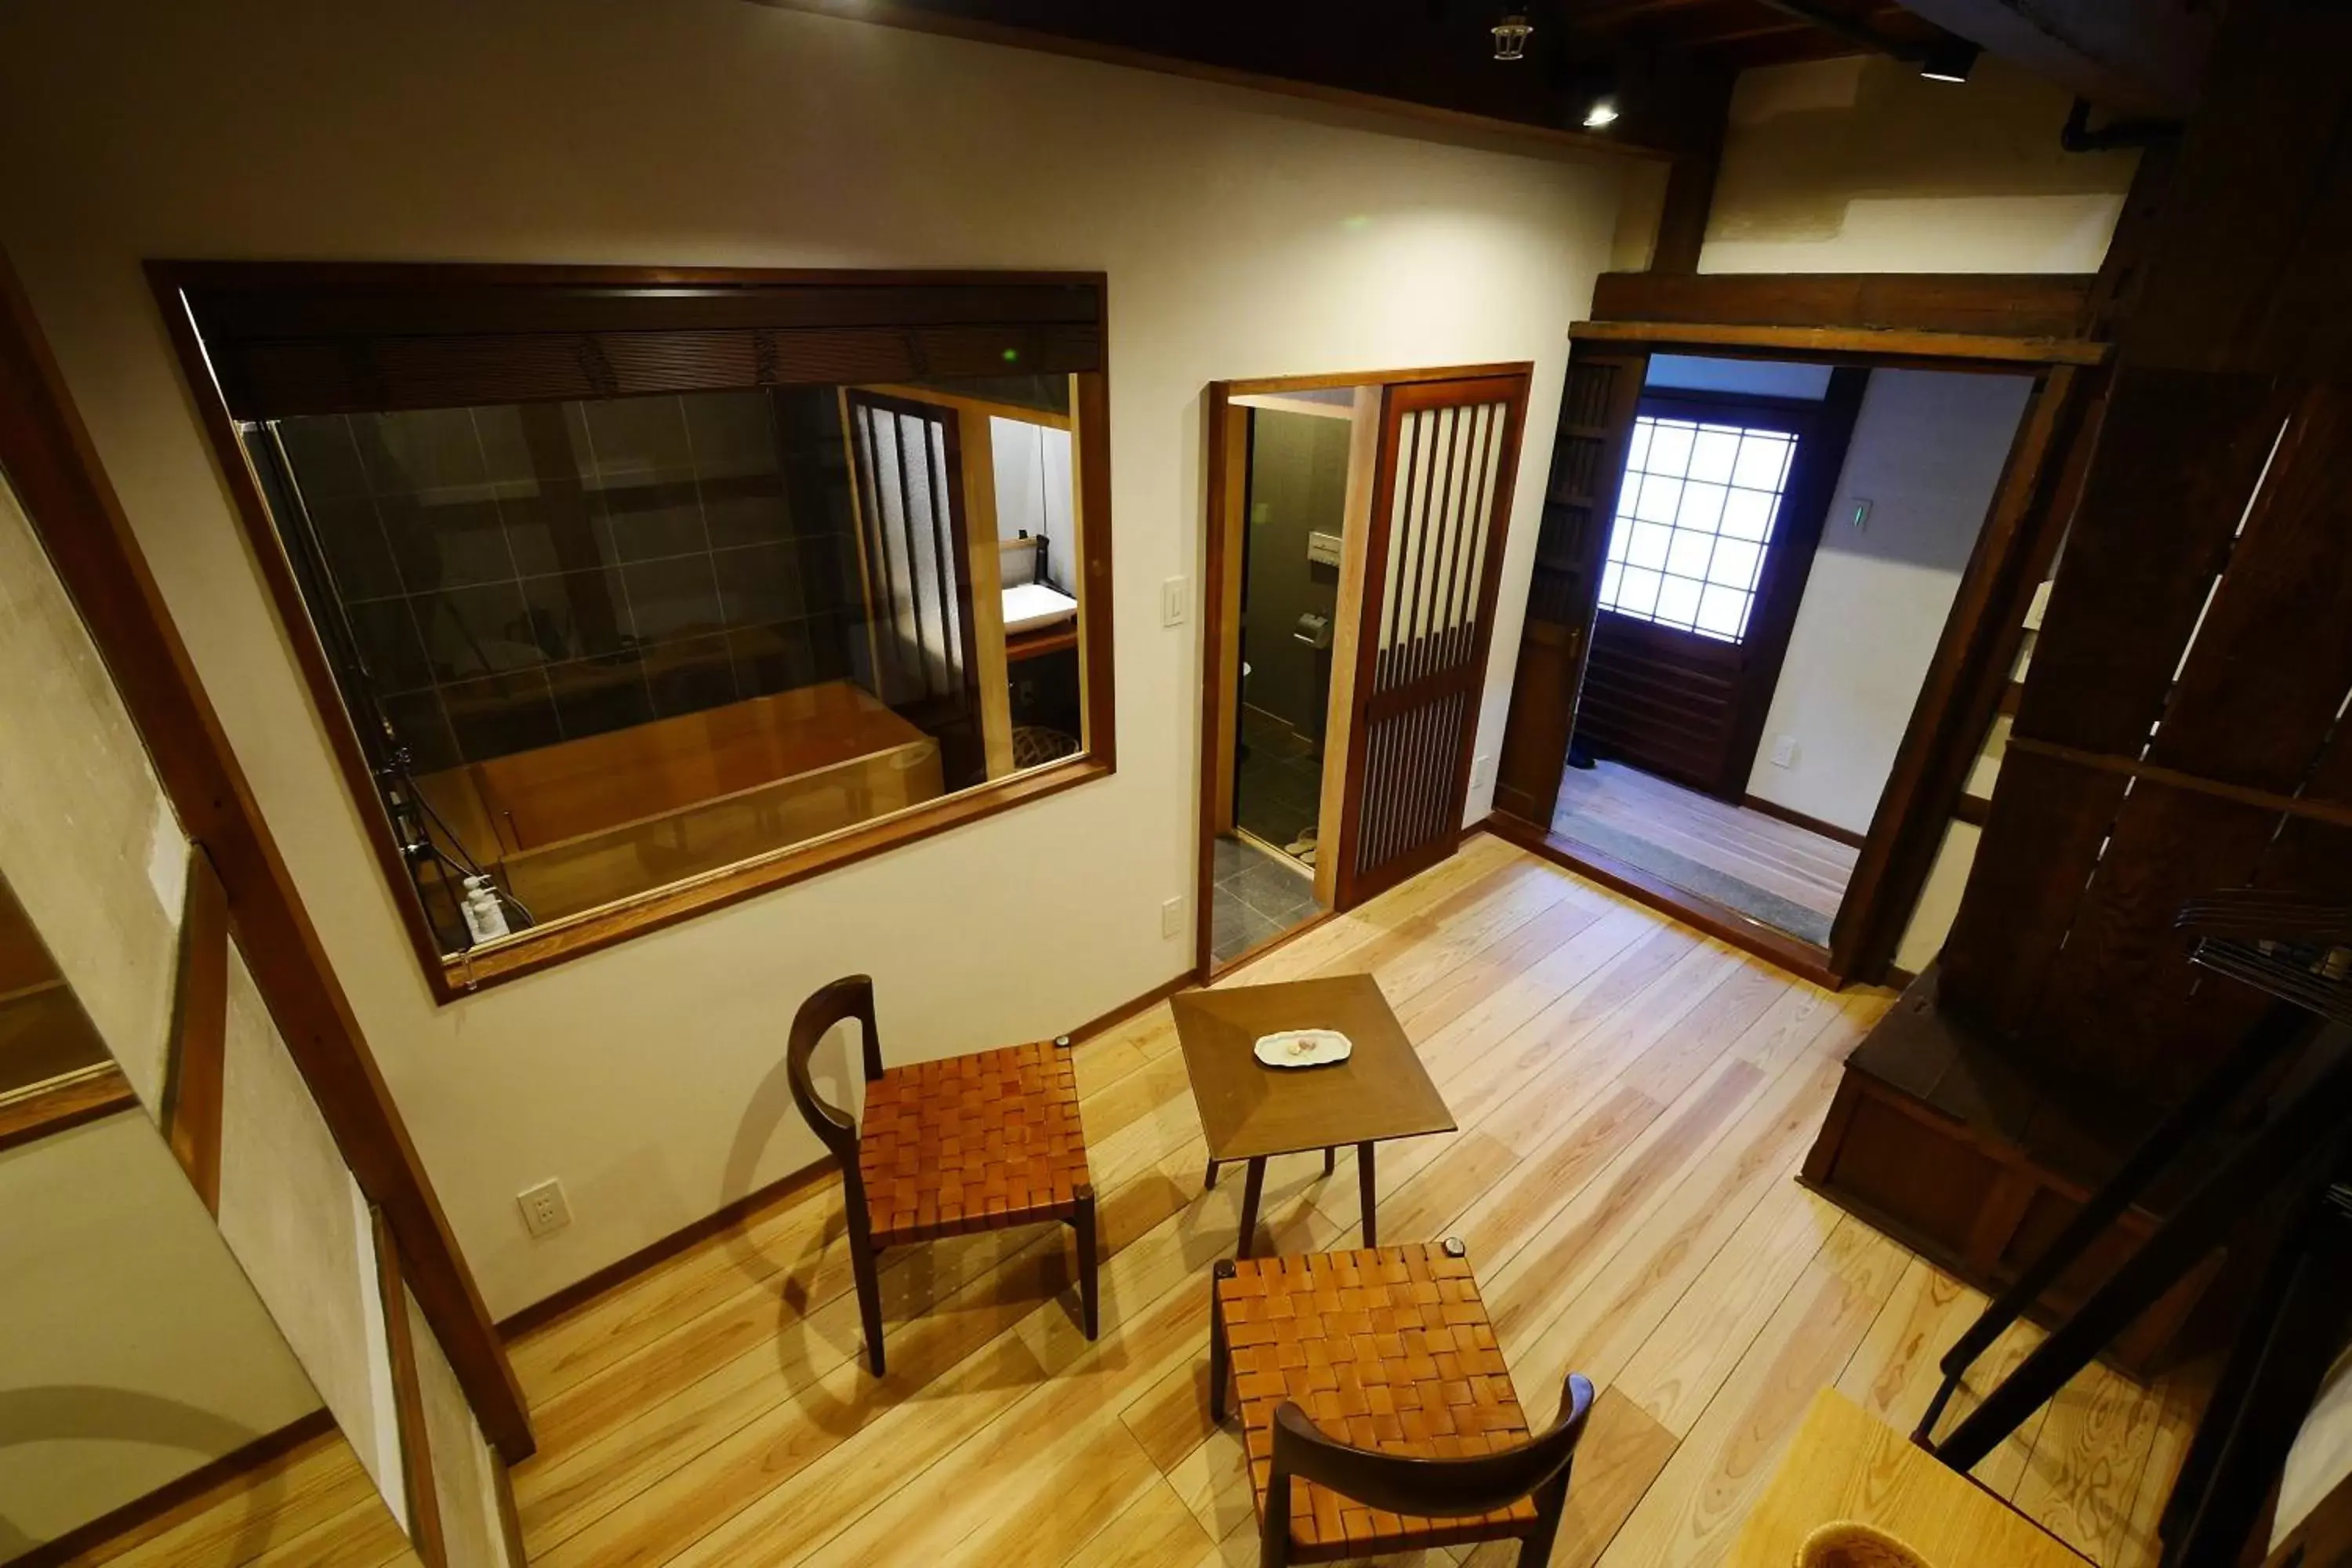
(1377, 1414)
(984, 1141)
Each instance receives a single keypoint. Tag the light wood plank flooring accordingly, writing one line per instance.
(1634, 1100)
(1620, 810)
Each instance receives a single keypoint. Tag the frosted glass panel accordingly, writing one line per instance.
(1696, 512)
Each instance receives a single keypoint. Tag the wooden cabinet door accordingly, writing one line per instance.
(1441, 504)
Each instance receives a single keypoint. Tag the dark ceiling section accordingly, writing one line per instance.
(1665, 62)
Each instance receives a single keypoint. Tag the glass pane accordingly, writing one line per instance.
(1670, 447)
(1763, 461)
(1688, 553)
(1637, 594)
(1723, 612)
(1747, 514)
(596, 647)
(1637, 446)
(1702, 507)
(1658, 499)
(1713, 453)
(1609, 577)
(1648, 547)
(1735, 564)
(1677, 600)
(1617, 538)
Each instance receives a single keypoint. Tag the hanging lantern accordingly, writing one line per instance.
(1511, 36)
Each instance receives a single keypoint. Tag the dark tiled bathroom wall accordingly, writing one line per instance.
(516, 575)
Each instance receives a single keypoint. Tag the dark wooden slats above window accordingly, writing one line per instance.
(338, 340)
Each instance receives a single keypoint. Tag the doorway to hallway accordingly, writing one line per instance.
(1355, 538)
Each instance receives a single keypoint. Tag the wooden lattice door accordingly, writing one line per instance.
(1441, 503)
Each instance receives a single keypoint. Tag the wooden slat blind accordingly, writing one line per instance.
(328, 338)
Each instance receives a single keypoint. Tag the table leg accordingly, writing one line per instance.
(1330, 1158)
(1210, 1181)
(1368, 1191)
(1251, 1187)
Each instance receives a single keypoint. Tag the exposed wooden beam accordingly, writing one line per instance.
(2032, 304)
(1865, 342)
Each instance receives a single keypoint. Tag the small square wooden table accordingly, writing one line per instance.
(1251, 1111)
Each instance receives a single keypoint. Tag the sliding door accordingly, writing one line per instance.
(1441, 503)
(914, 548)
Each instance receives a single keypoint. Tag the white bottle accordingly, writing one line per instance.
(486, 918)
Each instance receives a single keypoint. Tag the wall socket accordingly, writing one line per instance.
(544, 1210)
(1172, 917)
(1784, 751)
(1175, 601)
(1482, 772)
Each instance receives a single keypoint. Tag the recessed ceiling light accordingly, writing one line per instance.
(1511, 36)
(1950, 61)
(1602, 113)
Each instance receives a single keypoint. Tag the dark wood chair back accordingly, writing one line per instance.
(849, 997)
(1431, 1488)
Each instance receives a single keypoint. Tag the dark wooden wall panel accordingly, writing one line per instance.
(2177, 459)
(2180, 711)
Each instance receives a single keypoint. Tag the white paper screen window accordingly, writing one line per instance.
(1694, 517)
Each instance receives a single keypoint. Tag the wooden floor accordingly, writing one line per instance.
(1633, 1100)
(1790, 862)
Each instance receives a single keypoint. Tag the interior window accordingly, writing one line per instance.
(596, 647)
(1694, 517)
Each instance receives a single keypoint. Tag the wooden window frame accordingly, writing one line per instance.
(266, 340)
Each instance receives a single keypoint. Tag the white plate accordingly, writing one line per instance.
(1303, 1048)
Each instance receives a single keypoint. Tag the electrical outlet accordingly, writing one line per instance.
(1784, 751)
(1481, 772)
(544, 1210)
(1175, 601)
(1172, 917)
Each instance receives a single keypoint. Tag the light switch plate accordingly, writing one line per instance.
(1175, 601)
(1784, 751)
(1172, 917)
(1323, 549)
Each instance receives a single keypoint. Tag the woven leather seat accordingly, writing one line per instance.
(1389, 1353)
(969, 1143)
(976, 1142)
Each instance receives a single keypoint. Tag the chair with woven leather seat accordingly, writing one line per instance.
(1377, 1414)
(984, 1141)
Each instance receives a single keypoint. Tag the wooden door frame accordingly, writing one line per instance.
(1226, 449)
(1888, 321)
